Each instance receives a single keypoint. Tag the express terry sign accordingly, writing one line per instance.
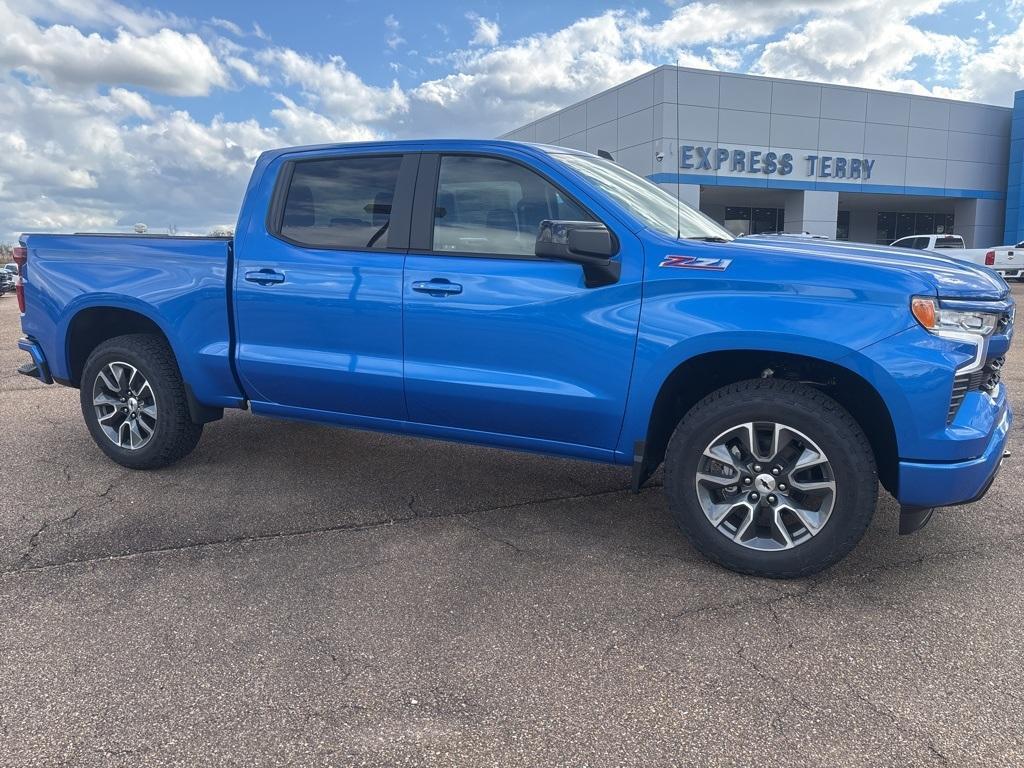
(773, 163)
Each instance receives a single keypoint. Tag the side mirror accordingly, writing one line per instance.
(587, 243)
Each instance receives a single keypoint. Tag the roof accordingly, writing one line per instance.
(427, 145)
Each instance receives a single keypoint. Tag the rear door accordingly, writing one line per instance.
(318, 290)
(498, 341)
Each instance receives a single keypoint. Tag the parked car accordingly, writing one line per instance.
(1007, 260)
(548, 300)
(7, 279)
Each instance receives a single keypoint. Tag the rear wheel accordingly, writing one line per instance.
(771, 478)
(134, 402)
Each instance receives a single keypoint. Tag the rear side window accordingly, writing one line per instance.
(949, 242)
(341, 202)
(492, 206)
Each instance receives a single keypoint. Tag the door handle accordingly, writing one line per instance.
(437, 287)
(264, 277)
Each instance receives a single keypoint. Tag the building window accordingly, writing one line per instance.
(843, 226)
(892, 226)
(885, 231)
(754, 221)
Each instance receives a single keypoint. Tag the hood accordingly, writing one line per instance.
(952, 278)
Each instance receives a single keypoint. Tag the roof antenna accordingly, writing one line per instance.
(679, 202)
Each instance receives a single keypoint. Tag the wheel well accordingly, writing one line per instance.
(91, 327)
(698, 377)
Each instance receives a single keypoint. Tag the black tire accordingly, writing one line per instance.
(175, 434)
(817, 416)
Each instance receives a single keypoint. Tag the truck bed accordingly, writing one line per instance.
(181, 284)
(1006, 260)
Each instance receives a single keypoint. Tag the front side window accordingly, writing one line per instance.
(492, 206)
(341, 202)
(646, 201)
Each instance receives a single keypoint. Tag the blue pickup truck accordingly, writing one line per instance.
(544, 299)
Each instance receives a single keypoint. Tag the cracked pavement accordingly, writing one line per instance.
(298, 595)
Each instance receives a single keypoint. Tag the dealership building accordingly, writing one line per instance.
(760, 154)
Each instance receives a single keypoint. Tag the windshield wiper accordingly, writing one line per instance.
(707, 238)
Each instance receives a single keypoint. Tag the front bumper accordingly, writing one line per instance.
(37, 369)
(942, 484)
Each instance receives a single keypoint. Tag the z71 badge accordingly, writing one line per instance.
(695, 262)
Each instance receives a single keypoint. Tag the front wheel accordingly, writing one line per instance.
(134, 402)
(771, 478)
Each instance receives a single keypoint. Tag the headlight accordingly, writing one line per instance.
(944, 321)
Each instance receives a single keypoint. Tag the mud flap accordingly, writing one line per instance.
(641, 472)
(914, 518)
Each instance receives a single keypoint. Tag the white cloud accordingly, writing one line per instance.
(494, 89)
(993, 75)
(129, 103)
(247, 70)
(725, 58)
(846, 50)
(305, 126)
(394, 39)
(486, 31)
(98, 14)
(165, 60)
(228, 26)
(737, 21)
(331, 86)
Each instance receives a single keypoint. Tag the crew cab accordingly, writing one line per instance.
(545, 299)
(1006, 260)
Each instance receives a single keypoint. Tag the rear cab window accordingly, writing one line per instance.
(949, 241)
(341, 202)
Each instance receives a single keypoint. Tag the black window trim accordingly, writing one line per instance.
(401, 206)
(421, 240)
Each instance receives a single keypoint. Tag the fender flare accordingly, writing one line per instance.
(648, 383)
(107, 301)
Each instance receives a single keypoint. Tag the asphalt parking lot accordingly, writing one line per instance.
(294, 594)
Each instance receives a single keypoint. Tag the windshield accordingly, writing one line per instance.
(652, 205)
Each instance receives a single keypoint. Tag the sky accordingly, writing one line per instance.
(123, 112)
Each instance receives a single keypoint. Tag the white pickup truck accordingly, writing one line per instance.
(1007, 260)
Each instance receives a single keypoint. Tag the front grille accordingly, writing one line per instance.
(985, 379)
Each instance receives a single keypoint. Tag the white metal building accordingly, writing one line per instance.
(761, 154)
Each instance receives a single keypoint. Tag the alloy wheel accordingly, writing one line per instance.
(765, 486)
(125, 405)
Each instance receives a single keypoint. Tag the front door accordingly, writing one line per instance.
(498, 341)
(318, 296)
